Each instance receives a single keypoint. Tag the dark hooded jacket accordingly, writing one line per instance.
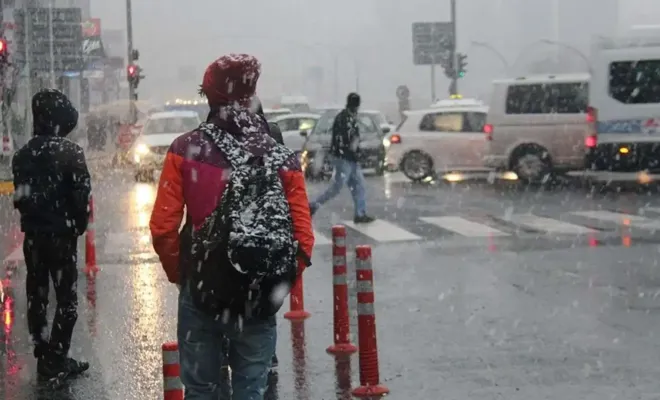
(51, 179)
(345, 142)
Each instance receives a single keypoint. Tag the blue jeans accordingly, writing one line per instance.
(201, 335)
(346, 173)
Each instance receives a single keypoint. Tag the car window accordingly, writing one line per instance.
(442, 122)
(635, 82)
(170, 125)
(366, 124)
(288, 124)
(474, 122)
(548, 98)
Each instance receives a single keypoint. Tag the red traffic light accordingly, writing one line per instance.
(3, 46)
(132, 70)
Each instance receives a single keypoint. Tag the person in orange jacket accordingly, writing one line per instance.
(194, 178)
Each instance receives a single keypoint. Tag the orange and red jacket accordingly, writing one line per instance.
(194, 177)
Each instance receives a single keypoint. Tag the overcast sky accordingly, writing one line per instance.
(372, 37)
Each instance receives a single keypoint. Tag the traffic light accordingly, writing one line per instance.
(135, 55)
(448, 69)
(462, 63)
(3, 51)
(133, 75)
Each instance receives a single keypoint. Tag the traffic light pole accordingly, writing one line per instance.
(129, 41)
(453, 89)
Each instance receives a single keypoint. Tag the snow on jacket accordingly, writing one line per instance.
(51, 179)
(195, 174)
(345, 136)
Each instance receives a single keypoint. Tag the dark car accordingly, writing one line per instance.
(316, 158)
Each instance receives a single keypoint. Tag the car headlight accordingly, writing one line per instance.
(142, 149)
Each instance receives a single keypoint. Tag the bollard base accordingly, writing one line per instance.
(371, 391)
(297, 315)
(342, 348)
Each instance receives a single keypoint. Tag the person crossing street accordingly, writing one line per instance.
(345, 150)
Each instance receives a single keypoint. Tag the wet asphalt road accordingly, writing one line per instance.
(555, 305)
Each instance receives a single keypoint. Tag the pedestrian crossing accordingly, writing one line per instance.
(530, 225)
(135, 245)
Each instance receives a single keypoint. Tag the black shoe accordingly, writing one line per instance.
(363, 219)
(53, 370)
(77, 367)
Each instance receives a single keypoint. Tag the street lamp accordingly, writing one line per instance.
(494, 51)
(553, 43)
(573, 49)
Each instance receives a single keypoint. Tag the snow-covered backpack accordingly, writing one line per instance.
(244, 254)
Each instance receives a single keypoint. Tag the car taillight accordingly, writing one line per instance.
(395, 139)
(591, 140)
(488, 131)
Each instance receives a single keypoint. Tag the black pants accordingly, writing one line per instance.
(57, 257)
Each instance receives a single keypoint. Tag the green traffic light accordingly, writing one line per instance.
(461, 74)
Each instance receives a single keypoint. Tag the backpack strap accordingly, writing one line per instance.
(230, 147)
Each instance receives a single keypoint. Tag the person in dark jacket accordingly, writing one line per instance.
(52, 192)
(345, 148)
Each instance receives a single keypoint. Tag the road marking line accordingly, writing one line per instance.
(382, 231)
(16, 255)
(635, 221)
(548, 225)
(320, 239)
(463, 226)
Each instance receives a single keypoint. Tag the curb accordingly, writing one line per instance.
(6, 187)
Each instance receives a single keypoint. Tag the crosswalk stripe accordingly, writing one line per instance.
(463, 226)
(382, 231)
(548, 225)
(320, 239)
(619, 218)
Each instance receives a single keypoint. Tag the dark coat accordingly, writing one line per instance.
(51, 179)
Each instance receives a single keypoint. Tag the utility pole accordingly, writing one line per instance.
(28, 71)
(129, 40)
(336, 78)
(51, 38)
(453, 89)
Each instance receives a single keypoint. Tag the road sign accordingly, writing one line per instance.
(432, 42)
(67, 38)
(402, 92)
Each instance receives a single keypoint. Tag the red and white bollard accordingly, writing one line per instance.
(342, 331)
(90, 243)
(172, 386)
(297, 302)
(369, 371)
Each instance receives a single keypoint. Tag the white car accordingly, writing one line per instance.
(270, 113)
(448, 137)
(385, 125)
(292, 125)
(159, 131)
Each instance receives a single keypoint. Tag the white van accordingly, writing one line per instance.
(625, 92)
(537, 125)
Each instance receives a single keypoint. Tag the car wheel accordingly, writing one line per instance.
(417, 166)
(532, 164)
